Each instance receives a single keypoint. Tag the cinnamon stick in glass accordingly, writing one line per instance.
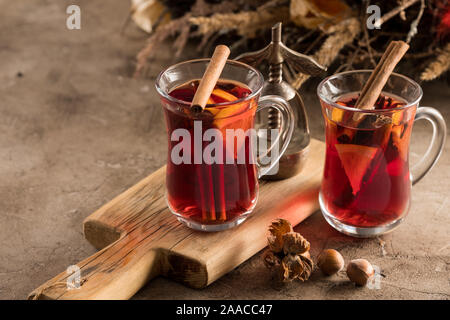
(380, 75)
(210, 78)
(198, 104)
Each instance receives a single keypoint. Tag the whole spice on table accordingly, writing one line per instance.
(294, 243)
(288, 253)
(296, 267)
(276, 231)
(271, 259)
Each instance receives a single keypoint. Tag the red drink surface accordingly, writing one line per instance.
(366, 177)
(212, 193)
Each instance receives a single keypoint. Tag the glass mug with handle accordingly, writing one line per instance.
(366, 188)
(216, 190)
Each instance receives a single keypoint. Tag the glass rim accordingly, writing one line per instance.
(166, 95)
(336, 105)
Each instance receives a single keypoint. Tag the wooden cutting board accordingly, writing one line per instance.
(140, 239)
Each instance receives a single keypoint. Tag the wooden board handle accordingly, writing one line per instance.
(116, 272)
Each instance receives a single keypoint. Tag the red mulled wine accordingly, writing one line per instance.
(366, 178)
(217, 192)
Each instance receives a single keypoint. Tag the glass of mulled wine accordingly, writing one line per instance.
(366, 187)
(213, 165)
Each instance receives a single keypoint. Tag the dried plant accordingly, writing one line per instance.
(163, 32)
(288, 253)
(179, 27)
(340, 35)
(245, 23)
(438, 66)
(333, 31)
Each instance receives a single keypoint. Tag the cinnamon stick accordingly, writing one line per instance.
(211, 209)
(210, 78)
(377, 80)
(202, 201)
(221, 206)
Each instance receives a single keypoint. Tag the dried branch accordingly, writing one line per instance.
(205, 38)
(340, 35)
(273, 4)
(202, 8)
(349, 64)
(406, 4)
(402, 13)
(440, 65)
(181, 40)
(179, 26)
(162, 33)
(245, 23)
(413, 30)
(212, 20)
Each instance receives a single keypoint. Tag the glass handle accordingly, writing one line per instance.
(284, 133)
(434, 151)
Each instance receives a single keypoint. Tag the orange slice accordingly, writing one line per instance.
(337, 114)
(222, 113)
(224, 95)
(356, 160)
(233, 116)
(214, 111)
(397, 117)
(242, 120)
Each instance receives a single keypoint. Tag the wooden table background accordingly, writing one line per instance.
(76, 130)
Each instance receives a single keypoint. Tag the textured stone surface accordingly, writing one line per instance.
(76, 130)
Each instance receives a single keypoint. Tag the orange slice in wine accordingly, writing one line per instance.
(214, 111)
(222, 94)
(356, 160)
(233, 116)
(397, 117)
(338, 114)
(223, 112)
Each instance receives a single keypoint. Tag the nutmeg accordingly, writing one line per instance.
(360, 271)
(330, 262)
